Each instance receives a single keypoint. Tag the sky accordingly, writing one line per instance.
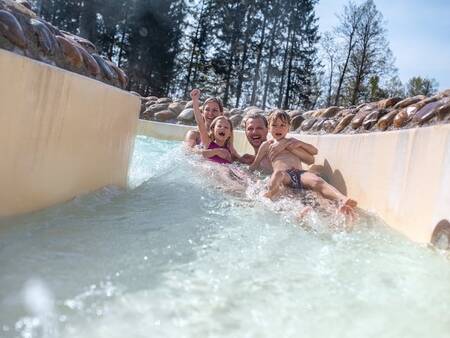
(418, 32)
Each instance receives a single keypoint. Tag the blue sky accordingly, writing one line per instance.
(418, 33)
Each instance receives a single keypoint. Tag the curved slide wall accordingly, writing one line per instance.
(61, 134)
(403, 176)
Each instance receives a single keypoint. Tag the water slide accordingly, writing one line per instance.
(403, 176)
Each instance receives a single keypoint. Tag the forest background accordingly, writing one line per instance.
(267, 53)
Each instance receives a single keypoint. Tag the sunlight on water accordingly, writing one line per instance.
(181, 255)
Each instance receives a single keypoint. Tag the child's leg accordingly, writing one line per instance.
(317, 184)
(277, 181)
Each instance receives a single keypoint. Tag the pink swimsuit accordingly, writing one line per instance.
(216, 158)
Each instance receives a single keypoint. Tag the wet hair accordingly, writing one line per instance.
(255, 116)
(216, 100)
(213, 124)
(279, 114)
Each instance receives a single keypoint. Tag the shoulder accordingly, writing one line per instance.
(192, 134)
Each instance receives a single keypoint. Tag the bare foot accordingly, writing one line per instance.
(350, 203)
(348, 210)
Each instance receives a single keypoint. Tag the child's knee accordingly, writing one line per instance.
(314, 181)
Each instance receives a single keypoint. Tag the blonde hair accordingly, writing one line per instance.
(279, 114)
(213, 99)
(213, 124)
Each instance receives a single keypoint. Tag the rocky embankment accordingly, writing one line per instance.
(22, 32)
(387, 114)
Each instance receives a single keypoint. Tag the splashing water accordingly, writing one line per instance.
(183, 254)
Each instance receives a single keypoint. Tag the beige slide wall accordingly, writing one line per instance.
(61, 134)
(403, 176)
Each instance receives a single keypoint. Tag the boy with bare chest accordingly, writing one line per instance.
(287, 168)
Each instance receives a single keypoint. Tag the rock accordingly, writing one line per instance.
(361, 115)
(11, 29)
(188, 105)
(330, 112)
(164, 115)
(236, 120)
(404, 116)
(158, 107)
(329, 125)
(318, 125)
(71, 53)
(294, 113)
(47, 42)
(386, 121)
(176, 107)
(106, 70)
(247, 109)
(427, 112)
(408, 101)
(388, 103)
(236, 111)
(123, 78)
(445, 93)
(187, 115)
(24, 3)
(371, 119)
(253, 110)
(318, 113)
(343, 123)
(296, 121)
(164, 100)
(307, 124)
(86, 44)
(89, 62)
(443, 111)
(152, 98)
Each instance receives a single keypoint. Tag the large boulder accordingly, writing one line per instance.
(187, 115)
(165, 115)
(176, 107)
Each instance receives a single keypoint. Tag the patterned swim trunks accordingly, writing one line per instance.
(295, 175)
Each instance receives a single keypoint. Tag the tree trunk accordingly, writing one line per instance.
(258, 63)
(283, 71)
(88, 20)
(289, 75)
(244, 57)
(269, 62)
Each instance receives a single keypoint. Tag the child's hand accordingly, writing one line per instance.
(225, 154)
(195, 94)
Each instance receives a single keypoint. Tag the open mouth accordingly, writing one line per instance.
(221, 133)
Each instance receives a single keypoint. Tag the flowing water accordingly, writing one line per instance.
(178, 256)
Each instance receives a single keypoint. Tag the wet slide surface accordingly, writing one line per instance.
(175, 255)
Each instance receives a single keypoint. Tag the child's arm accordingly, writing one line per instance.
(262, 152)
(204, 137)
(221, 152)
(296, 147)
(309, 148)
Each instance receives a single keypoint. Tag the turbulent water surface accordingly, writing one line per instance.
(180, 255)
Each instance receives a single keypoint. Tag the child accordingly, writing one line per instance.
(287, 168)
(218, 140)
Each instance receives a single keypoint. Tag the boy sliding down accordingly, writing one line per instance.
(287, 168)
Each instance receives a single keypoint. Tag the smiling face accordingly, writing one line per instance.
(210, 111)
(222, 129)
(256, 131)
(278, 128)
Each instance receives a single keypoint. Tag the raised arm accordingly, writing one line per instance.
(204, 137)
(262, 152)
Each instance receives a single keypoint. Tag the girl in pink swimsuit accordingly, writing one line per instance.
(218, 140)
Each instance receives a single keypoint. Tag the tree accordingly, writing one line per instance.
(421, 86)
